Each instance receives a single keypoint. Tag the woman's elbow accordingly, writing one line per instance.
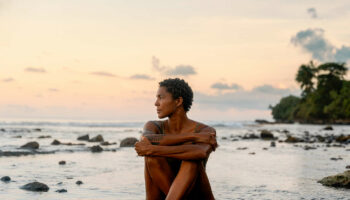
(205, 151)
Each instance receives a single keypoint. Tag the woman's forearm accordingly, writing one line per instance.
(182, 152)
(168, 140)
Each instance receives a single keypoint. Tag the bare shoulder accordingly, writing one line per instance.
(152, 127)
(204, 128)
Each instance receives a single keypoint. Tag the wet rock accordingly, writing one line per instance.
(37, 129)
(5, 179)
(2, 130)
(250, 136)
(224, 138)
(242, 148)
(251, 153)
(265, 148)
(62, 162)
(262, 121)
(106, 143)
(55, 142)
(266, 135)
(320, 138)
(343, 139)
(30, 145)
(23, 153)
(36, 187)
(273, 144)
(339, 180)
(60, 183)
(17, 136)
(79, 182)
(335, 159)
(285, 131)
(61, 190)
(306, 147)
(235, 139)
(291, 139)
(97, 138)
(328, 128)
(44, 136)
(84, 138)
(128, 142)
(347, 167)
(96, 148)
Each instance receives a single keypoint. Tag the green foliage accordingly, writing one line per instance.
(328, 102)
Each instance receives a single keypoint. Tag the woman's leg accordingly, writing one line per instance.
(158, 175)
(152, 190)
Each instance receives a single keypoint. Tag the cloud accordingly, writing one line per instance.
(314, 42)
(53, 90)
(141, 77)
(100, 73)
(179, 70)
(258, 98)
(33, 69)
(224, 86)
(7, 80)
(312, 12)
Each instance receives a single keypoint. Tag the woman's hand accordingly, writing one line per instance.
(207, 138)
(143, 147)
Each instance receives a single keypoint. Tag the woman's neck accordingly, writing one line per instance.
(177, 121)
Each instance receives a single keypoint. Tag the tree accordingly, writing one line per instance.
(305, 76)
(285, 109)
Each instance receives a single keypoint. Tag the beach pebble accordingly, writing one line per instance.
(251, 153)
(97, 138)
(291, 139)
(37, 129)
(128, 142)
(61, 190)
(265, 148)
(266, 135)
(60, 183)
(31, 145)
(36, 187)
(242, 148)
(339, 180)
(335, 159)
(306, 147)
(224, 138)
(273, 144)
(62, 162)
(84, 138)
(106, 143)
(79, 182)
(5, 179)
(44, 136)
(96, 148)
(328, 128)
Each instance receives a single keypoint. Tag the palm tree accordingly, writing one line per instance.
(305, 76)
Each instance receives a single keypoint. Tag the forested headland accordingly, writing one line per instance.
(325, 96)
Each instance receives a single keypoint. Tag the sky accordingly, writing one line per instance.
(102, 60)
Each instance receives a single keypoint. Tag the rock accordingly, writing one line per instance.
(291, 139)
(339, 180)
(5, 179)
(234, 139)
(96, 148)
(242, 148)
(343, 138)
(328, 128)
(2, 130)
(23, 153)
(265, 148)
(17, 136)
(37, 129)
(55, 142)
(347, 167)
(59, 183)
(61, 190)
(262, 121)
(62, 162)
(44, 136)
(79, 182)
(224, 138)
(273, 144)
(128, 142)
(320, 138)
(30, 145)
(266, 135)
(36, 187)
(97, 138)
(106, 143)
(306, 147)
(252, 153)
(84, 138)
(335, 159)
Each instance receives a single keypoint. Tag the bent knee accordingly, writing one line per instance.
(191, 165)
(154, 161)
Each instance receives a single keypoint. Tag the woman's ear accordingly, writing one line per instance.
(179, 101)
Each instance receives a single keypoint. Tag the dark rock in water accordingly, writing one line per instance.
(306, 147)
(242, 148)
(273, 144)
(61, 190)
(252, 153)
(291, 139)
(335, 159)
(320, 138)
(62, 162)
(60, 183)
(347, 167)
(262, 121)
(224, 138)
(96, 148)
(97, 138)
(265, 148)
(128, 142)
(106, 143)
(84, 138)
(343, 138)
(328, 128)
(23, 153)
(79, 182)
(234, 139)
(266, 135)
(30, 145)
(5, 179)
(17, 136)
(36, 187)
(44, 136)
(2, 130)
(37, 129)
(55, 142)
(339, 180)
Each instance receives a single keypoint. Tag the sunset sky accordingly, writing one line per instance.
(83, 59)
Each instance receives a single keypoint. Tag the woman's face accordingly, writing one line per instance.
(165, 103)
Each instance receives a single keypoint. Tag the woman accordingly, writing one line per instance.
(176, 150)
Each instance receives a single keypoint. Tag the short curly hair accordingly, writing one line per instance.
(179, 88)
